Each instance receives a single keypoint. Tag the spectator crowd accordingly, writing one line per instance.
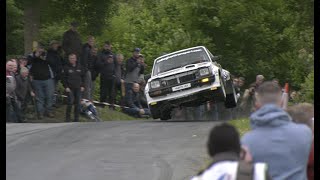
(278, 146)
(76, 65)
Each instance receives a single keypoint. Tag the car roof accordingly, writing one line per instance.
(179, 51)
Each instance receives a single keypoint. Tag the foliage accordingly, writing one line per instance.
(14, 30)
(308, 88)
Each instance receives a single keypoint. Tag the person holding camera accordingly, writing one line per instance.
(73, 81)
(42, 82)
(134, 69)
(248, 99)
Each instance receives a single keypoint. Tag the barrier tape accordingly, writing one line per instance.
(101, 103)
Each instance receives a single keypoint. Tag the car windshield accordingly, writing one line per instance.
(179, 60)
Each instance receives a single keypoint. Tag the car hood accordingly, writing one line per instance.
(180, 70)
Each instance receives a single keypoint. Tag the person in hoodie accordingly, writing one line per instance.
(73, 82)
(275, 139)
(56, 63)
(85, 63)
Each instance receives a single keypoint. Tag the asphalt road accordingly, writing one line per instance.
(115, 150)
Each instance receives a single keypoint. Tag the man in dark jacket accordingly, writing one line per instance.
(107, 77)
(72, 41)
(84, 60)
(107, 49)
(133, 102)
(23, 91)
(73, 82)
(42, 81)
(56, 63)
(134, 68)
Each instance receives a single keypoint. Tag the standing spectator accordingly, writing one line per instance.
(133, 102)
(119, 77)
(84, 60)
(228, 158)
(72, 41)
(55, 61)
(241, 81)
(276, 81)
(107, 77)
(73, 82)
(107, 50)
(42, 81)
(134, 68)
(275, 139)
(22, 61)
(303, 113)
(23, 91)
(248, 100)
(12, 108)
(15, 67)
(92, 66)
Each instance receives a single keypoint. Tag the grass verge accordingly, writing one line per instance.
(105, 114)
(242, 125)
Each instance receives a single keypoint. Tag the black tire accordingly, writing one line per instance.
(231, 99)
(165, 115)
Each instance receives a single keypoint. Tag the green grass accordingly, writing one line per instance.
(104, 113)
(242, 125)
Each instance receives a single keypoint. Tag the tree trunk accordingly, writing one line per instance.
(31, 26)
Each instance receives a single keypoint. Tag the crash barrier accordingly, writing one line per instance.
(98, 103)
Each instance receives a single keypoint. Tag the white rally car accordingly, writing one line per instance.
(189, 77)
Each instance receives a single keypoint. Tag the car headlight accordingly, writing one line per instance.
(155, 84)
(204, 71)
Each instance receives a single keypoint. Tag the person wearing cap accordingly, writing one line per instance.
(84, 60)
(72, 41)
(23, 91)
(134, 68)
(42, 81)
(107, 78)
(56, 63)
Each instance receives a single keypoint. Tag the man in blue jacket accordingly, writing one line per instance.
(275, 139)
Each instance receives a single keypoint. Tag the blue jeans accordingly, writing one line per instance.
(44, 90)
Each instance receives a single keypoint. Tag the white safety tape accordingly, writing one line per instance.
(97, 102)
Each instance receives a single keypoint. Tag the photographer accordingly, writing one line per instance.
(248, 100)
(42, 81)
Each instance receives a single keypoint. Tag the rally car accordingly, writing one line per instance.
(189, 77)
